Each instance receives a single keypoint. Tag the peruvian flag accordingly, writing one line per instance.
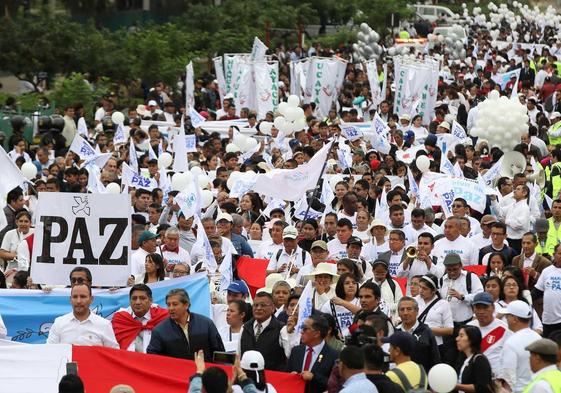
(38, 368)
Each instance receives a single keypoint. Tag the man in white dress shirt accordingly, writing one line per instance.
(515, 215)
(148, 245)
(81, 326)
(291, 254)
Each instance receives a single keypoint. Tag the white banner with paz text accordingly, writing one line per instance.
(447, 188)
(90, 230)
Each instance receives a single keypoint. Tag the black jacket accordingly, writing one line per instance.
(384, 384)
(267, 344)
(321, 368)
(168, 338)
(426, 351)
(478, 372)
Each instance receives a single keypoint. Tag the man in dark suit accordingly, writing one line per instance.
(313, 359)
(396, 255)
(263, 333)
(184, 333)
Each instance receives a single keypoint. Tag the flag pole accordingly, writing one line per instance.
(317, 188)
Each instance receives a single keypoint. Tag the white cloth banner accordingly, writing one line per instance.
(33, 368)
(191, 143)
(372, 73)
(219, 70)
(266, 85)
(292, 184)
(448, 188)
(258, 51)
(91, 230)
(132, 179)
(244, 86)
(323, 82)
(189, 86)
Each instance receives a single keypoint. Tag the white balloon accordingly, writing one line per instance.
(180, 180)
(293, 101)
(118, 118)
(423, 163)
(196, 170)
(442, 378)
(29, 170)
(251, 143)
(203, 181)
(279, 122)
(206, 198)
(291, 114)
(283, 106)
(113, 188)
(232, 148)
(300, 124)
(265, 127)
(240, 140)
(286, 128)
(165, 160)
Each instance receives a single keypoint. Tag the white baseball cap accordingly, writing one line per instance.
(519, 308)
(152, 103)
(290, 232)
(224, 216)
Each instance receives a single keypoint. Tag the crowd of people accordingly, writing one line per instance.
(397, 288)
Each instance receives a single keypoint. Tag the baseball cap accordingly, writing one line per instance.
(452, 259)
(401, 340)
(290, 232)
(238, 286)
(484, 298)
(409, 135)
(224, 216)
(543, 346)
(354, 240)
(319, 244)
(146, 235)
(555, 115)
(488, 219)
(519, 308)
(152, 103)
(431, 140)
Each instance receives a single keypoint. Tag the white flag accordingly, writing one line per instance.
(151, 153)
(180, 163)
(258, 51)
(202, 241)
(379, 125)
(132, 179)
(292, 184)
(413, 186)
(81, 147)
(446, 166)
(191, 143)
(11, 175)
(266, 85)
(82, 127)
(372, 73)
(119, 137)
(305, 305)
(94, 180)
(351, 132)
(188, 200)
(458, 131)
(196, 119)
(189, 86)
(133, 159)
(164, 184)
(493, 172)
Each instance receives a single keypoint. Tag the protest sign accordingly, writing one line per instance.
(28, 315)
(91, 230)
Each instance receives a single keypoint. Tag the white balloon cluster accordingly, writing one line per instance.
(239, 176)
(292, 119)
(367, 47)
(500, 121)
(454, 44)
(180, 181)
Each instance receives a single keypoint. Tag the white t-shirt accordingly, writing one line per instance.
(344, 316)
(175, 258)
(550, 283)
(337, 250)
(516, 360)
(493, 336)
(268, 249)
(461, 246)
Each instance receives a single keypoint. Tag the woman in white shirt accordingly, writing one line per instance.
(19, 151)
(512, 289)
(12, 238)
(345, 304)
(155, 271)
(232, 331)
(434, 311)
(421, 132)
(323, 276)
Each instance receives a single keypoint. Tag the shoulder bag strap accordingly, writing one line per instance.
(403, 378)
(421, 318)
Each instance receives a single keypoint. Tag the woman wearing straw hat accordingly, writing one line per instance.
(323, 276)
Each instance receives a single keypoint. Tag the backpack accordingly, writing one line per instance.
(407, 385)
(468, 282)
(279, 252)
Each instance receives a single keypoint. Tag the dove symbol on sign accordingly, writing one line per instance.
(81, 205)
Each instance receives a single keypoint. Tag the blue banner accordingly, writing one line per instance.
(29, 314)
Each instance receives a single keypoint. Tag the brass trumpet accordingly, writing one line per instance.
(411, 252)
